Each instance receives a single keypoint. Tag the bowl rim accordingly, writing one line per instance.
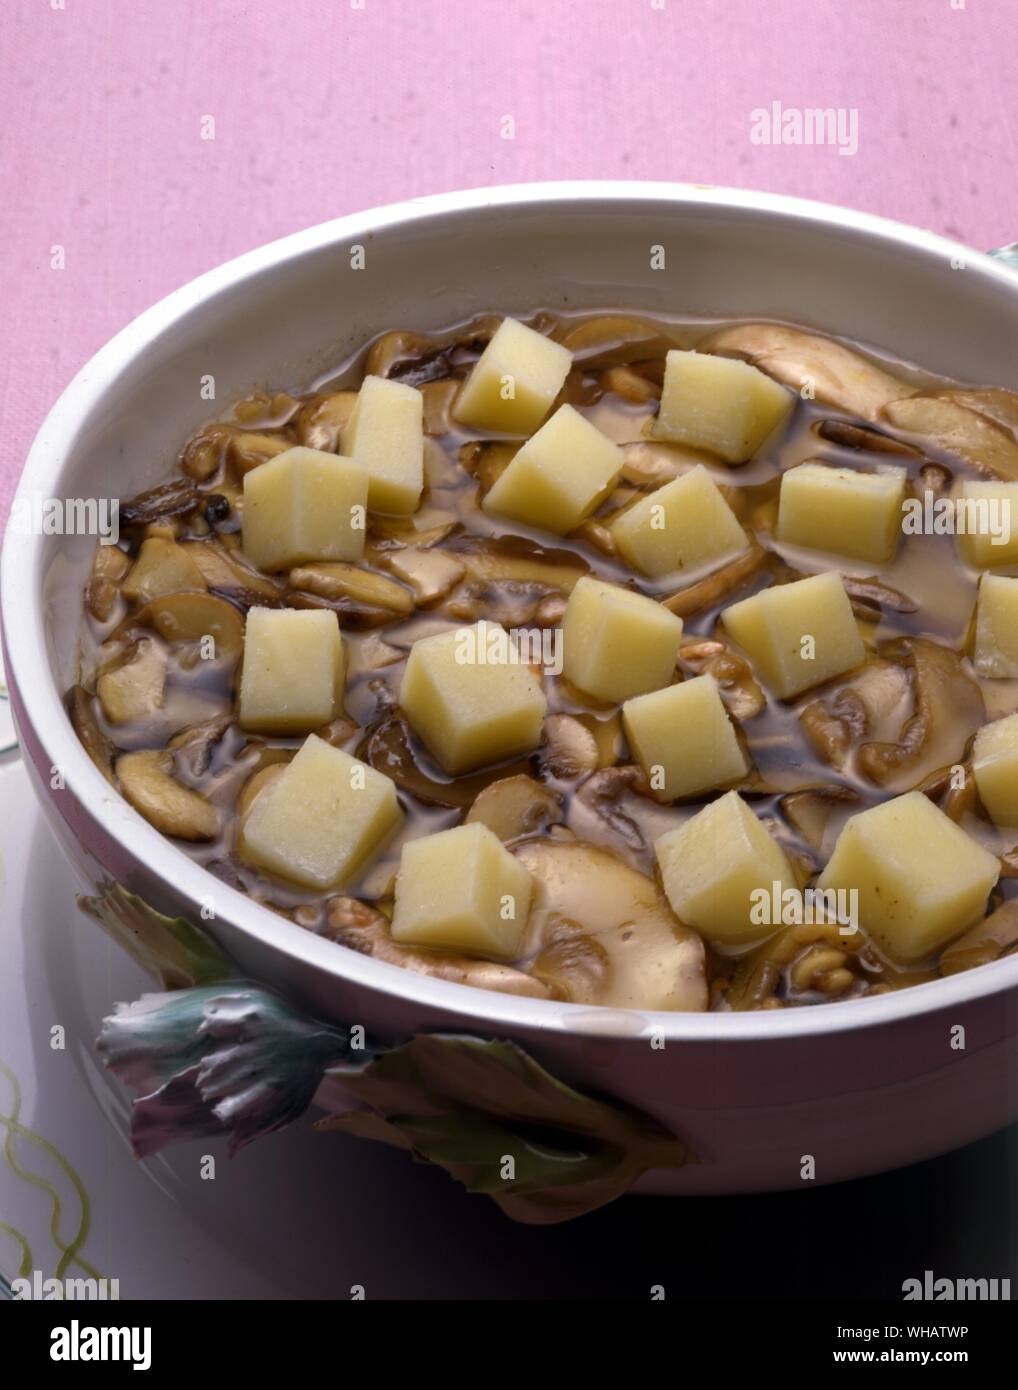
(21, 609)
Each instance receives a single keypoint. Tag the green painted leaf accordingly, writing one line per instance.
(178, 953)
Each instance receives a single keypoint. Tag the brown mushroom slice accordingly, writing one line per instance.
(486, 460)
(516, 806)
(613, 339)
(648, 463)
(412, 358)
(814, 812)
(95, 743)
(162, 567)
(148, 784)
(431, 573)
(193, 747)
(948, 708)
(977, 438)
(109, 566)
(758, 974)
(875, 698)
(743, 697)
(247, 449)
(263, 410)
(995, 936)
(438, 398)
(203, 454)
(850, 436)
(837, 375)
(363, 928)
(226, 572)
(873, 594)
(570, 748)
(992, 401)
(711, 590)
(630, 385)
(339, 580)
(652, 961)
(601, 797)
(194, 617)
(168, 499)
(518, 560)
(136, 688)
(321, 420)
(387, 747)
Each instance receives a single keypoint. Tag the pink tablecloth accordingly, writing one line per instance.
(324, 106)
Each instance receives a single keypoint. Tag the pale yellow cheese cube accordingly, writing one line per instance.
(293, 672)
(461, 890)
(304, 505)
(714, 864)
(561, 475)
(919, 878)
(469, 696)
(684, 526)
(986, 523)
(995, 767)
(684, 740)
(617, 643)
(513, 382)
(385, 434)
(996, 645)
(719, 404)
(841, 510)
(798, 635)
(322, 819)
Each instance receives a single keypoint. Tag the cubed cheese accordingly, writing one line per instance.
(304, 505)
(719, 404)
(385, 434)
(842, 511)
(461, 890)
(559, 476)
(293, 672)
(712, 866)
(798, 635)
(513, 382)
(684, 526)
(920, 879)
(986, 523)
(322, 819)
(995, 767)
(470, 698)
(683, 739)
(617, 643)
(162, 567)
(996, 646)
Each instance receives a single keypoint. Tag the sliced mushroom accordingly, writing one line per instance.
(162, 567)
(835, 374)
(136, 688)
(994, 402)
(387, 748)
(168, 499)
(93, 740)
(339, 580)
(602, 796)
(225, 571)
(486, 460)
(570, 749)
(813, 812)
(431, 573)
(513, 558)
(322, 419)
(630, 385)
(516, 806)
(995, 936)
(194, 618)
(643, 957)
(708, 592)
(193, 747)
(850, 436)
(261, 409)
(613, 339)
(203, 454)
(873, 594)
(744, 698)
(148, 784)
(948, 708)
(758, 975)
(979, 439)
(247, 449)
(362, 928)
(438, 398)
(109, 566)
(875, 698)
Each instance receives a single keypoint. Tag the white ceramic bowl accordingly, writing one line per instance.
(860, 1086)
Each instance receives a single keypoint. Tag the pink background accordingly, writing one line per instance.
(321, 108)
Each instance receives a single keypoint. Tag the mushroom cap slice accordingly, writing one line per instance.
(602, 933)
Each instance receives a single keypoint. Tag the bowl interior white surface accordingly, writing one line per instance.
(280, 316)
